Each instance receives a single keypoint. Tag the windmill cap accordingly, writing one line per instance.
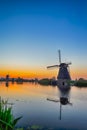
(63, 65)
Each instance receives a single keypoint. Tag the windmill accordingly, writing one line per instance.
(63, 76)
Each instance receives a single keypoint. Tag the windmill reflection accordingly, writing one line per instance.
(7, 84)
(64, 99)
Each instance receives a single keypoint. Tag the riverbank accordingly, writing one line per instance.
(80, 83)
(45, 81)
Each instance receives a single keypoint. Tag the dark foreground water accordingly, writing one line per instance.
(30, 101)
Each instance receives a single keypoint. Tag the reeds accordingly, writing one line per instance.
(7, 121)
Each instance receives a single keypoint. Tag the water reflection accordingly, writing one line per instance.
(7, 84)
(30, 102)
(64, 98)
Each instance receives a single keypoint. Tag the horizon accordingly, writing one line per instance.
(33, 31)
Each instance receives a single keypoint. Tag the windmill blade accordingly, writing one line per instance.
(68, 69)
(53, 66)
(69, 63)
(59, 56)
(53, 100)
(70, 104)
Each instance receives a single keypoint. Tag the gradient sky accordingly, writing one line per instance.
(32, 31)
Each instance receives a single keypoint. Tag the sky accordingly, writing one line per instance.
(32, 31)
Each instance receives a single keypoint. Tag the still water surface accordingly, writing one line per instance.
(30, 101)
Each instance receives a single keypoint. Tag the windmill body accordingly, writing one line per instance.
(63, 76)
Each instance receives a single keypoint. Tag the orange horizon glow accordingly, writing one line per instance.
(41, 73)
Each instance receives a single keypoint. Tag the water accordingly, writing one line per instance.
(30, 101)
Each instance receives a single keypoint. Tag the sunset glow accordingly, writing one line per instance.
(42, 73)
(32, 32)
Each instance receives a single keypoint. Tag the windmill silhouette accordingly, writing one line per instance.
(63, 76)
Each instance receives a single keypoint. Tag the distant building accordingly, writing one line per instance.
(7, 78)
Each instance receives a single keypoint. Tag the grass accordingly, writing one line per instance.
(81, 83)
(45, 81)
(7, 121)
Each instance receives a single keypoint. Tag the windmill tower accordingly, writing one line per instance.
(63, 76)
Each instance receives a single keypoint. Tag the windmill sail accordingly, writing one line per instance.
(52, 66)
(59, 56)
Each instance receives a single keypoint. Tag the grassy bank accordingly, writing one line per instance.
(81, 83)
(7, 121)
(47, 81)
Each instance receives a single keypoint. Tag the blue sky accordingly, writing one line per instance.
(31, 32)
